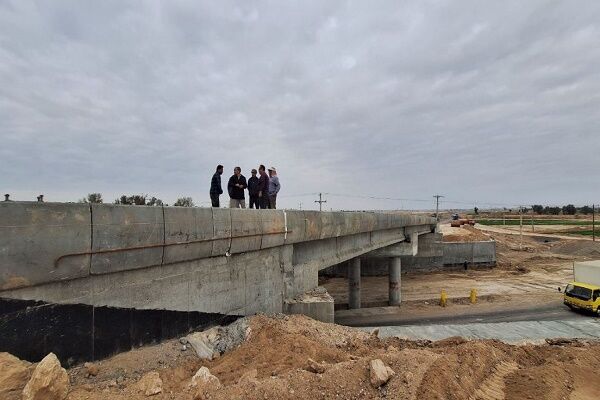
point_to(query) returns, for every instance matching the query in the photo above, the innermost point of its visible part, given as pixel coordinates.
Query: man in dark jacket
(263, 188)
(235, 187)
(253, 190)
(215, 186)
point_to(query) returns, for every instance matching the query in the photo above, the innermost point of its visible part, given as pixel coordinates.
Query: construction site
(311, 200)
(491, 327)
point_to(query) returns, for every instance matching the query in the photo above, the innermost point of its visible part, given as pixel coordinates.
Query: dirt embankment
(279, 349)
(465, 233)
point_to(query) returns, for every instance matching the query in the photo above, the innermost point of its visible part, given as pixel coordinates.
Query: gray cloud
(480, 101)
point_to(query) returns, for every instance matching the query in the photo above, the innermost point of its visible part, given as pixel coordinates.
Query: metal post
(395, 269)
(593, 222)
(521, 228)
(354, 283)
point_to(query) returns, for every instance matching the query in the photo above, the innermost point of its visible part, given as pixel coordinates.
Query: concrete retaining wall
(474, 253)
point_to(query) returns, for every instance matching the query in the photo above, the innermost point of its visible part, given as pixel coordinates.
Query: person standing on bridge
(215, 187)
(253, 190)
(235, 187)
(274, 187)
(263, 188)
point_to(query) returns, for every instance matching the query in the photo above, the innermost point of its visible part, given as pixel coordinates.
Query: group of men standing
(262, 190)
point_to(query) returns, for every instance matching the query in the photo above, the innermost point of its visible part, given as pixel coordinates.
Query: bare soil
(279, 348)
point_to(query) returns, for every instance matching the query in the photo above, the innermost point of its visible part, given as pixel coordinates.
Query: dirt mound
(274, 363)
(464, 234)
(579, 248)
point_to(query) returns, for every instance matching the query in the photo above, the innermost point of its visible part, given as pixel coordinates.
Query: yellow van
(583, 295)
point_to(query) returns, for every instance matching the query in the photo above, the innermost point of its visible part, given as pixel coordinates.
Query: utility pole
(521, 228)
(437, 206)
(320, 201)
(300, 205)
(593, 222)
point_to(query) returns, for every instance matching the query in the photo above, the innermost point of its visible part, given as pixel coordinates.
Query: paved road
(532, 325)
(553, 311)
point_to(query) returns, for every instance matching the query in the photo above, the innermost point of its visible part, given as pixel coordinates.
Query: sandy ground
(530, 274)
(279, 348)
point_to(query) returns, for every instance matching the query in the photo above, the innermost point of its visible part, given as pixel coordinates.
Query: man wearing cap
(274, 187)
(253, 190)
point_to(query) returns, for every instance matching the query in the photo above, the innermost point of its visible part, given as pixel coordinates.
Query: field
(527, 220)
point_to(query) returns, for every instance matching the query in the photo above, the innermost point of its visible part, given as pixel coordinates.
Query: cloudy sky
(481, 101)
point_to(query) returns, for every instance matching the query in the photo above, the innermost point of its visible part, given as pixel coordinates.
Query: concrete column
(354, 283)
(395, 270)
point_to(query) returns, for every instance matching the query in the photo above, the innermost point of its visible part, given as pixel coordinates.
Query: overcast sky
(480, 101)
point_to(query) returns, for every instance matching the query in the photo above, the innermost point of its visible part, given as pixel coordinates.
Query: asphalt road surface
(554, 311)
(523, 325)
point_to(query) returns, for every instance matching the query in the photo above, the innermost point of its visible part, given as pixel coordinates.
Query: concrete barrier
(193, 226)
(273, 225)
(246, 230)
(126, 237)
(222, 231)
(34, 237)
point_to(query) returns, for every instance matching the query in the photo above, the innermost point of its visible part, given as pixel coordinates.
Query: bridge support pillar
(354, 283)
(395, 269)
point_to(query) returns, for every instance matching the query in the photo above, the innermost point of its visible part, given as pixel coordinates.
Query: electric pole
(320, 201)
(593, 222)
(437, 206)
(521, 228)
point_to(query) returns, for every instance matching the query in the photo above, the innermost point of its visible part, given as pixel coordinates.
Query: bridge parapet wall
(50, 242)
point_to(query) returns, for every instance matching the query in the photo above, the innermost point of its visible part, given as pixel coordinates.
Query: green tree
(139, 200)
(552, 210)
(569, 209)
(94, 198)
(586, 210)
(184, 202)
(538, 209)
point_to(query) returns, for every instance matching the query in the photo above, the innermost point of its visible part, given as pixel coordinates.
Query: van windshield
(578, 292)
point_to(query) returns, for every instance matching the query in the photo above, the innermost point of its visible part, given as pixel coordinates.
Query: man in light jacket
(274, 187)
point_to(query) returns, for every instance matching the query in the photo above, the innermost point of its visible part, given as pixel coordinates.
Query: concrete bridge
(212, 260)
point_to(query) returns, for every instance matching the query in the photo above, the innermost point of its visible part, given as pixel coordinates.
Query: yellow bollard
(473, 296)
(443, 298)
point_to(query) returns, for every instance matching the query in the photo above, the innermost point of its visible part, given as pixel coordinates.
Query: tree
(476, 210)
(154, 202)
(93, 198)
(184, 202)
(552, 210)
(586, 210)
(569, 209)
(538, 209)
(138, 200)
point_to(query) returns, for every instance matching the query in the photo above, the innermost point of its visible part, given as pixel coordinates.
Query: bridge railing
(47, 242)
